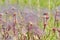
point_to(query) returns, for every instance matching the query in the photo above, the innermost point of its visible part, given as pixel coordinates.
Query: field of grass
(25, 24)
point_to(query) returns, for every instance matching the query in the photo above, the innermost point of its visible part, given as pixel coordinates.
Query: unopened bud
(54, 29)
(14, 14)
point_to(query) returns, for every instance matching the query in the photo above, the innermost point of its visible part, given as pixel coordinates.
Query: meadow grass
(51, 20)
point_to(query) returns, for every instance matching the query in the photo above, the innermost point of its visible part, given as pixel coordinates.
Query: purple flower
(11, 11)
(36, 30)
(33, 29)
(29, 15)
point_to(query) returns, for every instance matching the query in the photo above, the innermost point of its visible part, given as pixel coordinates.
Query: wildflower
(54, 29)
(14, 14)
(30, 25)
(13, 8)
(7, 12)
(11, 11)
(36, 30)
(46, 16)
(14, 17)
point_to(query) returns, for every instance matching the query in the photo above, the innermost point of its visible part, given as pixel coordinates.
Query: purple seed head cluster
(24, 24)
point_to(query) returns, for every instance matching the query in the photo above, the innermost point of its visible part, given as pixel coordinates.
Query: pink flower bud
(6, 12)
(54, 30)
(14, 14)
(46, 15)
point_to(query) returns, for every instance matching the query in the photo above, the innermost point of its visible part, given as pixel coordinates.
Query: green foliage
(2, 2)
(34, 3)
(13, 1)
(44, 4)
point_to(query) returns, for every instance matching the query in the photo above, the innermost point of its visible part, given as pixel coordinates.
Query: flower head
(46, 15)
(54, 29)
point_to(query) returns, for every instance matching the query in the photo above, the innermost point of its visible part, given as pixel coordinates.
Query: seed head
(14, 14)
(54, 29)
(46, 15)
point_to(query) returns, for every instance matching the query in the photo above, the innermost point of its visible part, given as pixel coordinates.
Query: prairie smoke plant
(45, 18)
